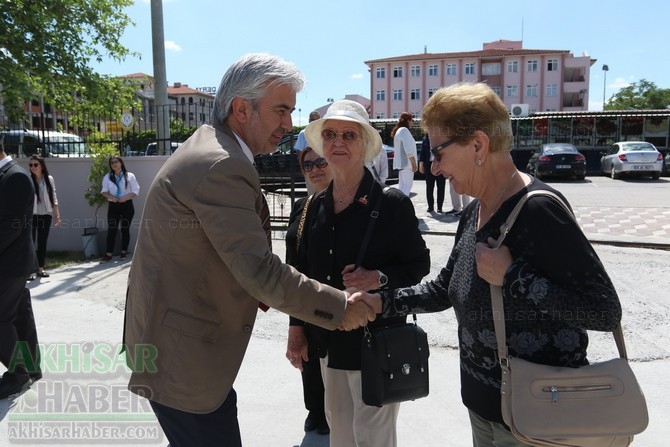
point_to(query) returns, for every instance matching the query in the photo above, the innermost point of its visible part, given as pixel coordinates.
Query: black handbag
(394, 364)
(394, 359)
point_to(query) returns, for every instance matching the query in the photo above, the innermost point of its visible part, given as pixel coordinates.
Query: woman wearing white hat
(332, 237)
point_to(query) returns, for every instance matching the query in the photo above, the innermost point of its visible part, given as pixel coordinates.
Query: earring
(479, 162)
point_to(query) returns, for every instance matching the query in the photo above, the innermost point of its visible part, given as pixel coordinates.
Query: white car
(637, 158)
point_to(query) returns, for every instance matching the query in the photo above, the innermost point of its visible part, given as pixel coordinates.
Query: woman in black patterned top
(554, 286)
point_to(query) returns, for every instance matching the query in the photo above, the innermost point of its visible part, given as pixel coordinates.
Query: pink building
(528, 81)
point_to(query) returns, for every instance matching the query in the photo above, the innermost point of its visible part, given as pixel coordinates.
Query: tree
(643, 95)
(46, 49)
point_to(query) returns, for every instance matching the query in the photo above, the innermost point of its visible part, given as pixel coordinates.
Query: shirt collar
(245, 148)
(5, 160)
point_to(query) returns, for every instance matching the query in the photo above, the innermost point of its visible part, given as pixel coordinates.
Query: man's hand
(296, 349)
(374, 300)
(357, 315)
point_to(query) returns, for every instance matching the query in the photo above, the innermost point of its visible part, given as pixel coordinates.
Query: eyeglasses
(348, 136)
(319, 163)
(437, 149)
(34, 165)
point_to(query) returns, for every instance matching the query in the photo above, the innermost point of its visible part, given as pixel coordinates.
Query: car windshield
(634, 147)
(560, 149)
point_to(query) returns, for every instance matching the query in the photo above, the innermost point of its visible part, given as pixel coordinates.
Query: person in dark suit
(18, 335)
(203, 263)
(425, 160)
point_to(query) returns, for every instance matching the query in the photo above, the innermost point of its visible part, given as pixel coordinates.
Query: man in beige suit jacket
(202, 262)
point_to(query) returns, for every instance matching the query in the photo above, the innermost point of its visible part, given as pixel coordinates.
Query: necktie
(265, 219)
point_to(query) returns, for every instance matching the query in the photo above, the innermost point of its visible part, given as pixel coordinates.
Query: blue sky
(329, 41)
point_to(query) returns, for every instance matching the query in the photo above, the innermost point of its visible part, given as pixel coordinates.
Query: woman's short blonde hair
(457, 111)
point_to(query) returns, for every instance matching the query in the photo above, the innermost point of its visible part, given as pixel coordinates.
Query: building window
(381, 95)
(531, 90)
(470, 68)
(431, 91)
(380, 115)
(552, 65)
(397, 94)
(381, 73)
(496, 90)
(415, 94)
(396, 115)
(532, 65)
(397, 72)
(432, 70)
(451, 69)
(415, 71)
(552, 89)
(513, 67)
(512, 91)
(492, 68)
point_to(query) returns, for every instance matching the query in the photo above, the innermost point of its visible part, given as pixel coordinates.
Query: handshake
(362, 307)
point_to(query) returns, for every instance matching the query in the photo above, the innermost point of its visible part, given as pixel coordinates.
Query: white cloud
(172, 46)
(618, 84)
(357, 76)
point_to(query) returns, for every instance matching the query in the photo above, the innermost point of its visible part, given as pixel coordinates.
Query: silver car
(632, 158)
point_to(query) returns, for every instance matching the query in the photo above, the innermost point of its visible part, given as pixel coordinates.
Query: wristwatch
(383, 279)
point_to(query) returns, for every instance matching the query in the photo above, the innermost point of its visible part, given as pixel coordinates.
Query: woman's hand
(492, 263)
(296, 349)
(360, 279)
(57, 221)
(421, 168)
(374, 300)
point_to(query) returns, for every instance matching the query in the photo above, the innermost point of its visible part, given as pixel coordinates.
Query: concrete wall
(70, 176)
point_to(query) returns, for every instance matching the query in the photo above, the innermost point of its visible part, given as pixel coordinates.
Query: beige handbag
(596, 405)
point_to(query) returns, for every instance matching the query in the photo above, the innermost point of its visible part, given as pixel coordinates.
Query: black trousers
(431, 182)
(219, 428)
(119, 216)
(18, 335)
(312, 385)
(41, 227)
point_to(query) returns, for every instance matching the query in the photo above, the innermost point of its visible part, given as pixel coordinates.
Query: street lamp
(605, 70)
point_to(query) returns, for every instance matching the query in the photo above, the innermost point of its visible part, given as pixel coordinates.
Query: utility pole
(160, 77)
(605, 70)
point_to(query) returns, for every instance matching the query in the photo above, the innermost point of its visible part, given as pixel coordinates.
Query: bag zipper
(554, 390)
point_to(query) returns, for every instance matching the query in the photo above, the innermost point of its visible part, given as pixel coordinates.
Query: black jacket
(330, 242)
(17, 195)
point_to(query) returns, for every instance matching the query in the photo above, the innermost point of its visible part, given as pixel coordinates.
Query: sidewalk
(79, 309)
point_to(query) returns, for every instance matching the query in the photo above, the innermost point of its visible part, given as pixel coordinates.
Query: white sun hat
(345, 110)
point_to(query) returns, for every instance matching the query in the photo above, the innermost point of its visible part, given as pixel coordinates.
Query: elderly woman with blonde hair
(332, 243)
(550, 294)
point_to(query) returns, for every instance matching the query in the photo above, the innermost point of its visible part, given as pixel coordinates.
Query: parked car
(558, 160)
(638, 158)
(46, 143)
(152, 148)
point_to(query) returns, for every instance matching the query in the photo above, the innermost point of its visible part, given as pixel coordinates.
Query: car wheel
(537, 174)
(614, 174)
(581, 177)
(655, 175)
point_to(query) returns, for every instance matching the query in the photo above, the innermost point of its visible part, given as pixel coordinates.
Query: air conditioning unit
(519, 110)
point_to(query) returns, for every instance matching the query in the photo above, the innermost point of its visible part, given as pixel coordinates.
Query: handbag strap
(374, 215)
(496, 291)
(301, 224)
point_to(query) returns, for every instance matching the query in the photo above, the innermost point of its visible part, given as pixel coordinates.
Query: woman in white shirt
(45, 210)
(119, 187)
(405, 153)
